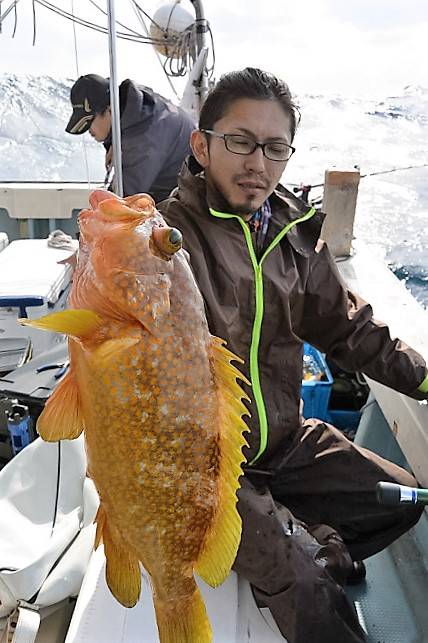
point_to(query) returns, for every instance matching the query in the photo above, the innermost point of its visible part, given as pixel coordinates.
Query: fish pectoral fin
(123, 573)
(62, 419)
(186, 621)
(112, 348)
(74, 323)
(224, 534)
(144, 299)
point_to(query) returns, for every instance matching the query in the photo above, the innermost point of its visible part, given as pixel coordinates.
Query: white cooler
(32, 284)
(4, 240)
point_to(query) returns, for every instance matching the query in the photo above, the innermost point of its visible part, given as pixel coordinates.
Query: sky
(370, 48)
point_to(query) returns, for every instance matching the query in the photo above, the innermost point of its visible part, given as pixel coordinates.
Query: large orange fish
(161, 409)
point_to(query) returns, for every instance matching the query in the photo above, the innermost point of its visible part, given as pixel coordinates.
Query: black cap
(89, 96)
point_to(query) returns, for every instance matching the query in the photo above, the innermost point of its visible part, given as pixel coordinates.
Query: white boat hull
(99, 618)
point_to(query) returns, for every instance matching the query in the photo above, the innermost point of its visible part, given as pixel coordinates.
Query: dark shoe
(358, 573)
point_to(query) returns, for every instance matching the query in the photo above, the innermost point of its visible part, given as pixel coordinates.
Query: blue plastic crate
(316, 393)
(344, 419)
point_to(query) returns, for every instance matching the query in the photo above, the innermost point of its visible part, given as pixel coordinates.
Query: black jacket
(304, 299)
(155, 140)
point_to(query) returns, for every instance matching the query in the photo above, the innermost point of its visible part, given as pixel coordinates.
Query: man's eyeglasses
(239, 144)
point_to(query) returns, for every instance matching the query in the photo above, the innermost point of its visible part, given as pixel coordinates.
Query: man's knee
(312, 605)
(411, 514)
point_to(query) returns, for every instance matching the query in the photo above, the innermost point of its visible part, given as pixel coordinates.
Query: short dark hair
(247, 83)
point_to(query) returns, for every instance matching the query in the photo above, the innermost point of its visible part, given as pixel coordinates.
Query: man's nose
(256, 160)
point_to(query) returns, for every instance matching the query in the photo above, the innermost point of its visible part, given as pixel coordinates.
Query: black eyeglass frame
(256, 144)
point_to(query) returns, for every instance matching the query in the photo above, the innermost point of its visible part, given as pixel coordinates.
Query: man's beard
(244, 208)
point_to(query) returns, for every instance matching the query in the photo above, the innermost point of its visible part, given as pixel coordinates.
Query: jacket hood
(135, 102)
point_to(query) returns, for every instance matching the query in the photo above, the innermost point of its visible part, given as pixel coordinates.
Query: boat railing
(392, 302)
(33, 209)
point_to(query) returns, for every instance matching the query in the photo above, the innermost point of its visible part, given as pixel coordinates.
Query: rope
(96, 27)
(16, 18)
(104, 12)
(4, 15)
(34, 22)
(59, 239)
(182, 48)
(141, 10)
(138, 13)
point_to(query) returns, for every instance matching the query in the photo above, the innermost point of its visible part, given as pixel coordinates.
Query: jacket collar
(195, 193)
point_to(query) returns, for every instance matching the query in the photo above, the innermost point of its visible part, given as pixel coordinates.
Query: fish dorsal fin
(74, 323)
(223, 537)
(62, 419)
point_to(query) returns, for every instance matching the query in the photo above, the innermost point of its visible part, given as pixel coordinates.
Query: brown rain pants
(295, 524)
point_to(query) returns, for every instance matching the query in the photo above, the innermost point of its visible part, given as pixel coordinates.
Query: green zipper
(258, 319)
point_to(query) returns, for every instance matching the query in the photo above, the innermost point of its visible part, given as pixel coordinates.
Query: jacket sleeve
(341, 324)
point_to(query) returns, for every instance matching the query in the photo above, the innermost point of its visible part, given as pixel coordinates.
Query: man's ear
(199, 145)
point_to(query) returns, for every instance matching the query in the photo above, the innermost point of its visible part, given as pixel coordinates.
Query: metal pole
(114, 101)
(201, 30)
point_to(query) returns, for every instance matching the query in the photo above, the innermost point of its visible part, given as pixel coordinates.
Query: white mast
(201, 30)
(114, 101)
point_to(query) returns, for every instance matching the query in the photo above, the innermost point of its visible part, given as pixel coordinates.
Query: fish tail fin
(223, 537)
(184, 622)
(123, 573)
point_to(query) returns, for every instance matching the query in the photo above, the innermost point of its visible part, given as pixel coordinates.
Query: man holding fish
(307, 498)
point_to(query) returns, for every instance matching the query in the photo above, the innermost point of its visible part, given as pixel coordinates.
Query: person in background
(155, 133)
(308, 496)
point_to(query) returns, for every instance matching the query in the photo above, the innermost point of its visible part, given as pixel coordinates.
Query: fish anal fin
(223, 537)
(99, 520)
(187, 621)
(62, 419)
(74, 323)
(123, 573)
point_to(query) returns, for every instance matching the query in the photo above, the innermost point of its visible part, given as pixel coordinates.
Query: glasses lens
(239, 144)
(278, 151)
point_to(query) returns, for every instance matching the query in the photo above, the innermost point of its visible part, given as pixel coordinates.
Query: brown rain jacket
(303, 298)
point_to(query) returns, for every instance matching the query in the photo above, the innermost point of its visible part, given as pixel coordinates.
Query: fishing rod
(392, 494)
(304, 190)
